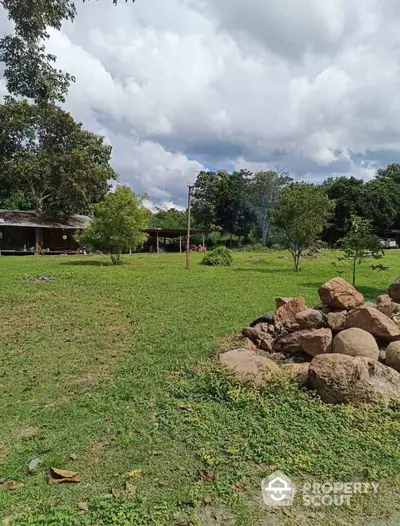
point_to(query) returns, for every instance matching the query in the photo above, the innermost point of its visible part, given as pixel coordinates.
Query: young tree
(360, 243)
(48, 160)
(117, 225)
(303, 212)
(265, 189)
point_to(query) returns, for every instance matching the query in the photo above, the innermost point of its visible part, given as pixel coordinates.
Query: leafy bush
(219, 257)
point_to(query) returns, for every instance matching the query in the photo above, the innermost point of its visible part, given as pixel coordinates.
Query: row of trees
(243, 203)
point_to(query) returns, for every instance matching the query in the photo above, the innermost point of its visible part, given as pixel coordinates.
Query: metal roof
(30, 219)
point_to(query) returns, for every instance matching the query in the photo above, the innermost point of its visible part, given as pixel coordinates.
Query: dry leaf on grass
(59, 476)
(130, 490)
(162, 484)
(207, 498)
(11, 484)
(83, 506)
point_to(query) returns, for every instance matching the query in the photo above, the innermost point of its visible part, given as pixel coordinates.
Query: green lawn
(111, 372)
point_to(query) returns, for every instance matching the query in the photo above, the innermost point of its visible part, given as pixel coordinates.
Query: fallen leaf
(58, 476)
(107, 418)
(34, 464)
(287, 512)
(207, 498)
(130, 490)
(83, 506)
(162, 484)
(73, 456)
(11, 484)
(239, 484)
(156, 453)
(2, 481)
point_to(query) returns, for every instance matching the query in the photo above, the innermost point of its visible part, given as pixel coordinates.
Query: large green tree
(171, 218)
(265, 189)
(29, 69)
(304, 211)
(48, 160)
(221, 201)
(117, 225)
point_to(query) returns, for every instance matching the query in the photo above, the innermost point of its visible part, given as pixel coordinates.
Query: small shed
(26, 232)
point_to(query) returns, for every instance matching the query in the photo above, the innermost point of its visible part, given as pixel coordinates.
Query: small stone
(34, 464)
(83, 506)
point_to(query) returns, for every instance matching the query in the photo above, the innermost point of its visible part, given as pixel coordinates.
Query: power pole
(190, 188)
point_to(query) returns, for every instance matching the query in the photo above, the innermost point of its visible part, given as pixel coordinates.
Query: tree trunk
(354, 270)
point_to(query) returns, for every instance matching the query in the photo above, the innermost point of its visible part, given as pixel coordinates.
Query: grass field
(111, 372)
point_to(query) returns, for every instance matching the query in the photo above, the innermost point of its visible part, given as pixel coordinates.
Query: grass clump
(219, 257)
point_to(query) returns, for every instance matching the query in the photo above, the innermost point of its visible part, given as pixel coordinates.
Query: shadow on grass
(87, 263)
(272, 270)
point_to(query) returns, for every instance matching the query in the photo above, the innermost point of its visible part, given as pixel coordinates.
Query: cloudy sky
(181, 85)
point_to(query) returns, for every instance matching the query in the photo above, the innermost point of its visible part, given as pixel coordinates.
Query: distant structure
(26, 233)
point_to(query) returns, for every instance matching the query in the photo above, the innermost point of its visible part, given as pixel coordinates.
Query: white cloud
(181, 85)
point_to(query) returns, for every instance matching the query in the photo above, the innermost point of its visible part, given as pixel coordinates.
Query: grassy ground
(111, 372)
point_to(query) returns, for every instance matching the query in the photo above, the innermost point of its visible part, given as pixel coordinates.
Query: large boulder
(317, 342)
(297, 371)
(337, 293)
(260, 336)
(248, 365)
(356, 342)
(279, 302)
(290, 342)
(373, 321)
(286, 314)
(336, 320)
(339, 378)
(310, 319)
(392, 358)
(394, 290)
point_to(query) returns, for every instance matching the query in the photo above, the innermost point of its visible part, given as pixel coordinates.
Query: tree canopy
(117, 225)
(48, 162)
(304, 211)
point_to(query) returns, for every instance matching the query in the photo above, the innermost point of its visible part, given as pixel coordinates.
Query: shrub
(219, 257)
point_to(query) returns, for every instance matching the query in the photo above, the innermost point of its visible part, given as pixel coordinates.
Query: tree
(303, 212)
(360, 243)
(265, 189)
(171, 218)
(48, 160)
(117, 225)
(347, 194)
(221, 202)
(29, 70)
(380, 202)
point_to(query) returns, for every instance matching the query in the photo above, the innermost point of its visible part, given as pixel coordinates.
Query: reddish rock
(248, 366)
(356, 342)
(260, 336)
(309, 319)
(385, 304)
(394, 290)
(336, 320)
(337, 293)
(374, 322)
(339, 378)
(317, 342)
(290, 342)
(286, 314)
(279, 302)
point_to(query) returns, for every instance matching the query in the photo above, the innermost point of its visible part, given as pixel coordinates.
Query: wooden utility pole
(190, 188)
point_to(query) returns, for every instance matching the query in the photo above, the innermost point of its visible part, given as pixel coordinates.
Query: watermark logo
(277, 490)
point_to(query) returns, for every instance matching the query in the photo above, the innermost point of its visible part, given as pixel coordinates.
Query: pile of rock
(345, 349)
